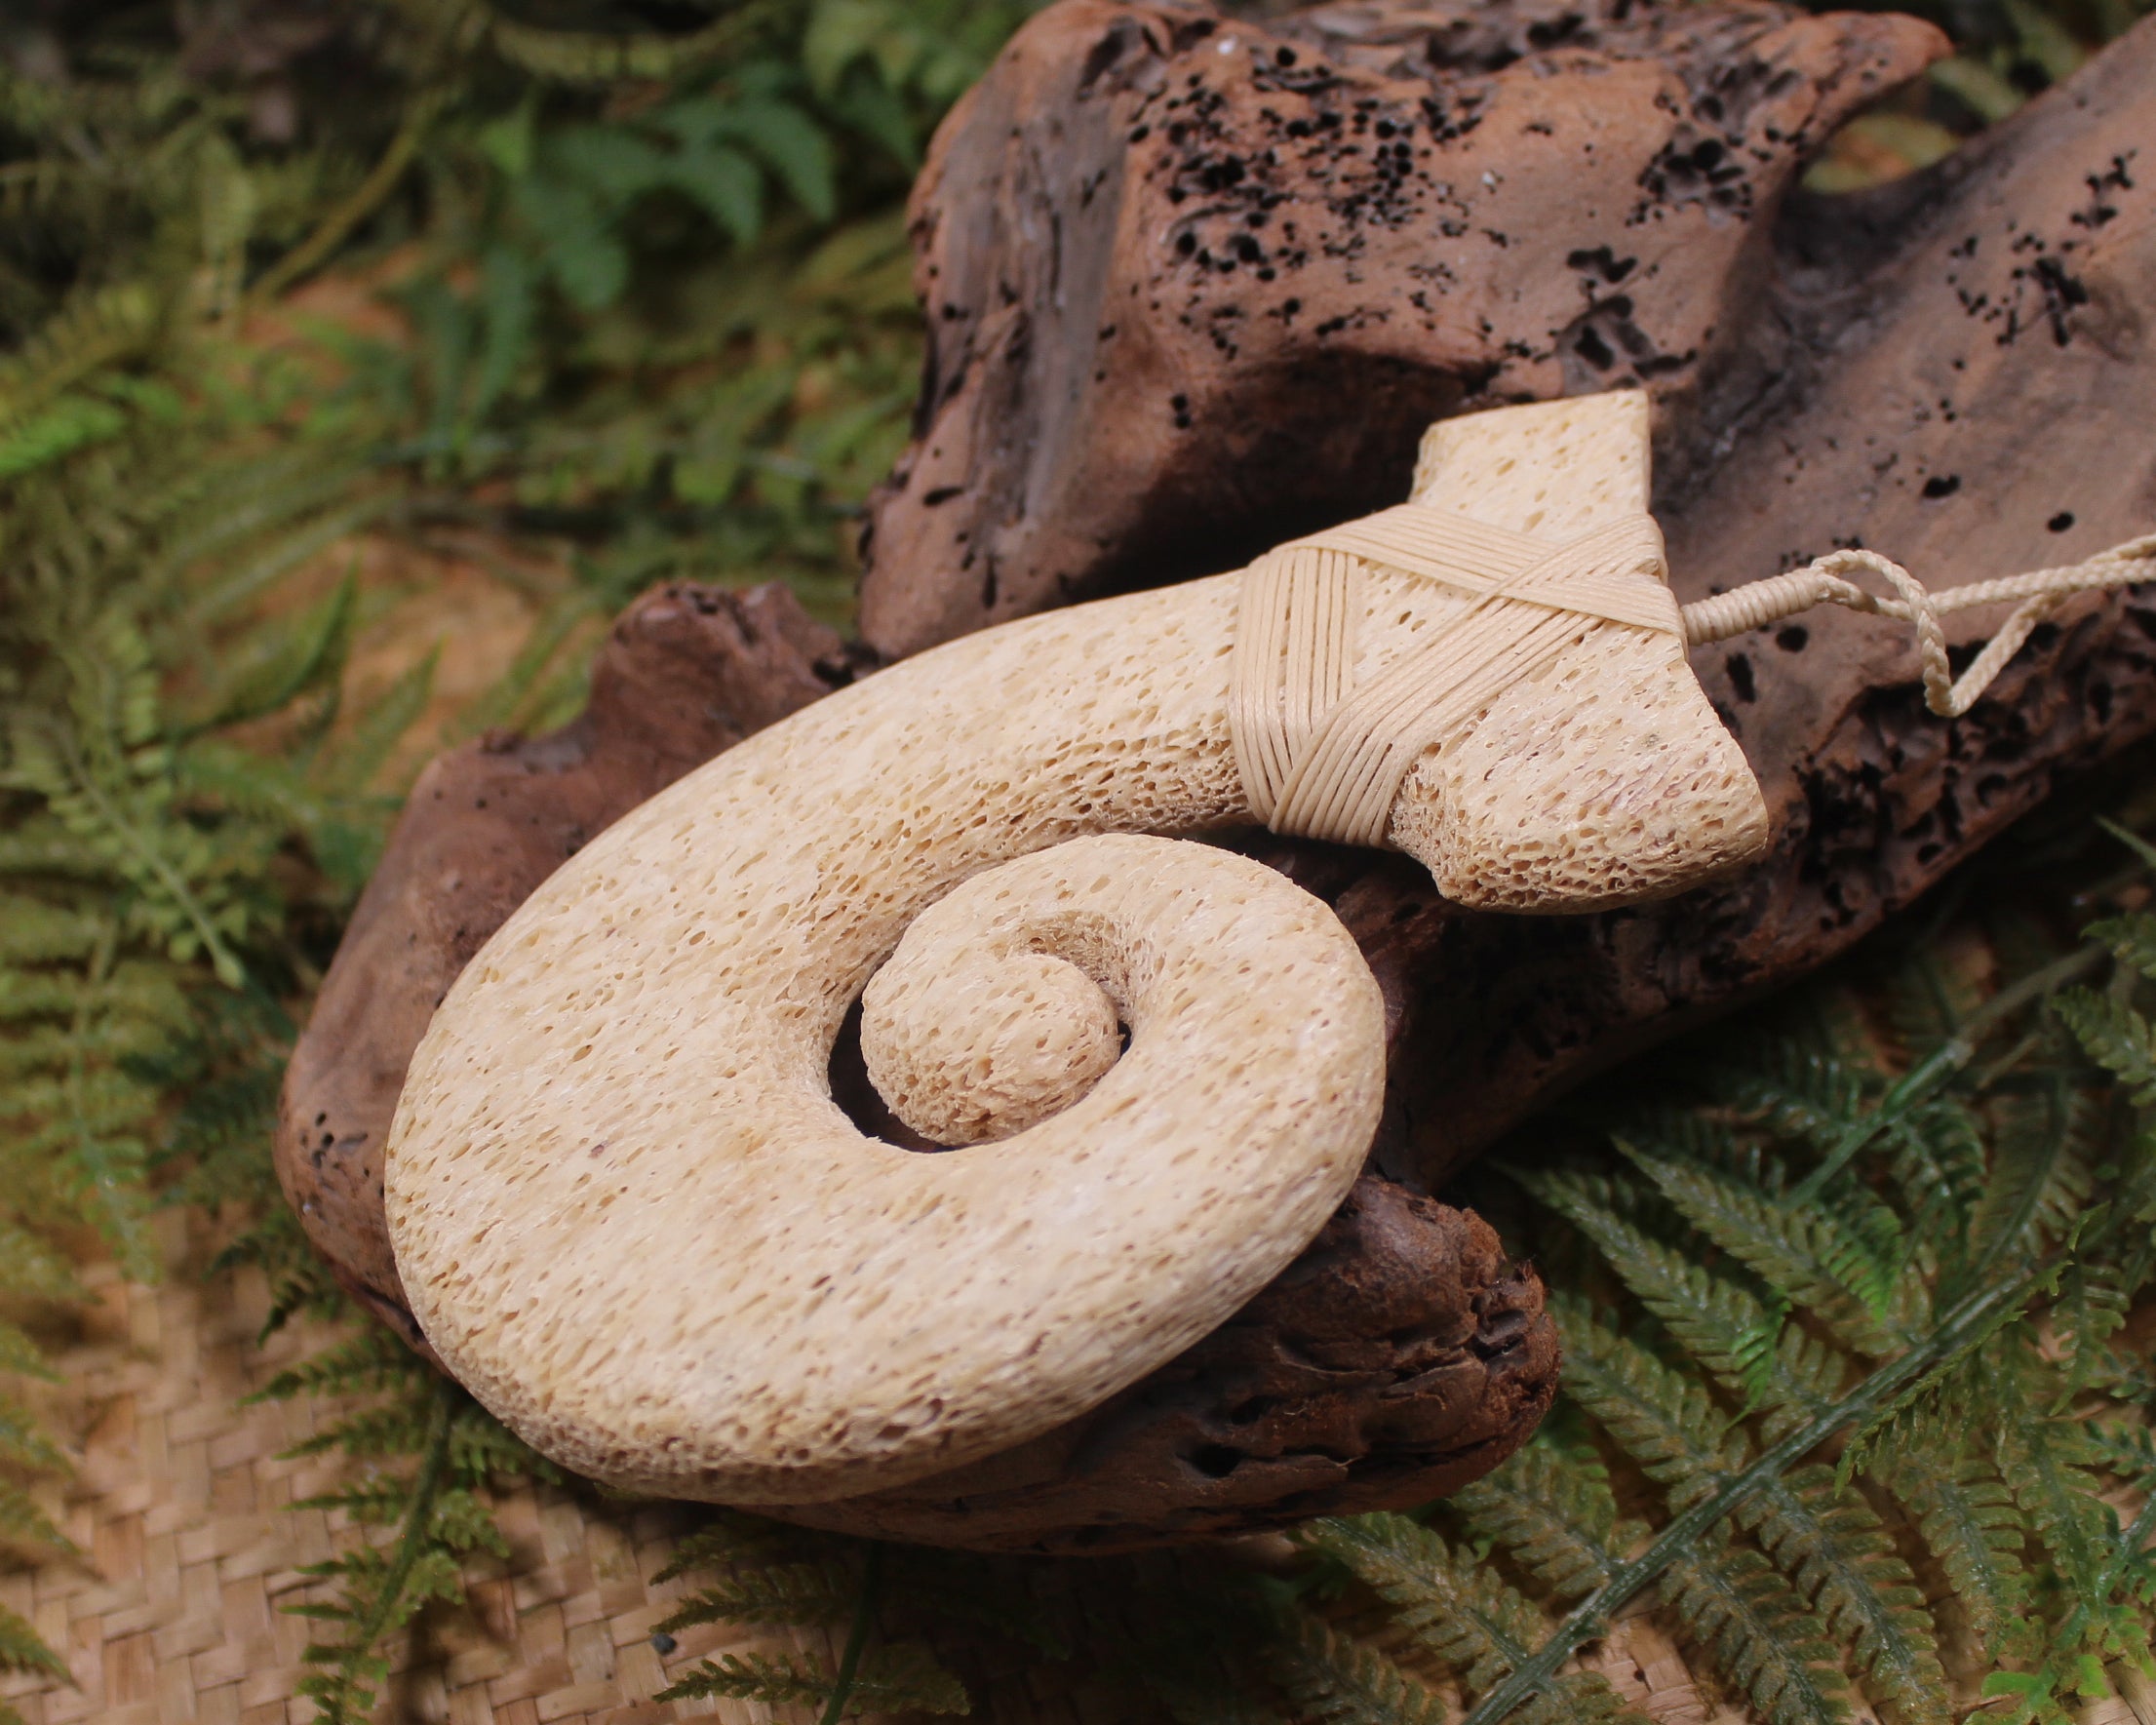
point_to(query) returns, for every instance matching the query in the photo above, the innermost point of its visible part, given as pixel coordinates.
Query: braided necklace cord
(1822, 581)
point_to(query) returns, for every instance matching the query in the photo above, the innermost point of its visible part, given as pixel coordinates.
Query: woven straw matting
(180, 1506)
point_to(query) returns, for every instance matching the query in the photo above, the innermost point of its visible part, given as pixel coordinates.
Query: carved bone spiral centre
(992, 1015)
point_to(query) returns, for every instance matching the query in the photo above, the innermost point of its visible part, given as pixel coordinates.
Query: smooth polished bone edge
(628, 1214)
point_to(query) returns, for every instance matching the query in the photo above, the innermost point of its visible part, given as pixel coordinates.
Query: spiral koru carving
(631, 1217)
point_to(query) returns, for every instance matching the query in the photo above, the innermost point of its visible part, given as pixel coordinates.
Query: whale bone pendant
(631, 1218)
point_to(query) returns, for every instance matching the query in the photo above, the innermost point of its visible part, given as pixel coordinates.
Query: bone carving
(631, 1218)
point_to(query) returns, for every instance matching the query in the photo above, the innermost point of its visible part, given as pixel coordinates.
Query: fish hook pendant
(628, 1212)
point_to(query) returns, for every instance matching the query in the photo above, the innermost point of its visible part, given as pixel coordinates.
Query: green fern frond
(1971, 1524)
(22, 1651)
(94, 330)
(903, 1678)
(1823, 1536)
(395, 1430)
(1552, 1507)
(1451, 1605)
(1747, 1620)
(500, 704)
(1794, 1088)
(31, 1270)
(108, 777)
(2132, 939)
(25, 1528)
(350, 768)
(21, 1356)
(482, 1447)
(37, 931)
(372, 1501)
(2129, 1451)
(2116, 1037)
(731, 1536)
(281, 662)
(463, 1523)
(2045, 1461)
(1934, 1156)
(1928, 1001)
(781, 1679)
(1665, 1421)
(574, 56)
(67, 425)
(1580, 1697)
(24, 1448)
(2046, 1147)
(299, 1279)
(1333, 1677)
(370, 1359)
(1841, 1261)
(2090, 1306)
(773, 1593)
(1830, 1541)
(436, 1511)
(1736, 1335)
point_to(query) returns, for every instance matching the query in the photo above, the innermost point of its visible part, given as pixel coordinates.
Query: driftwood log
(1193, 286)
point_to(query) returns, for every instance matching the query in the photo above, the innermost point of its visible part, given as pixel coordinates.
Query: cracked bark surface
(1400, 1358)
(1953, 369)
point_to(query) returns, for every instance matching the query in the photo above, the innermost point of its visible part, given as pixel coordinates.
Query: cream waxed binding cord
(1820, 582)
(1323, 758)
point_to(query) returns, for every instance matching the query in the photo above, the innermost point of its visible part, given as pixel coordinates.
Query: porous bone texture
(857, 1312)
(1603, 778)
(686, 671)
(626, 1210)
(1397, 1358)
(1346, 1383)
(972, 1032)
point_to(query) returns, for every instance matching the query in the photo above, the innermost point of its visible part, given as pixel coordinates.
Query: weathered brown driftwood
(1397, 1359)
(1195, 285)
(1950, 370)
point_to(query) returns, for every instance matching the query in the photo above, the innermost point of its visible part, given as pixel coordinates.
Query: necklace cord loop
(1824, 581)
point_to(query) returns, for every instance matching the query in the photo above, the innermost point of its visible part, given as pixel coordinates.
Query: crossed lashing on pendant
(1322, 756)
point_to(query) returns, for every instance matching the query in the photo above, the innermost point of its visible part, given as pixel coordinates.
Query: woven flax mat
(181, 1508)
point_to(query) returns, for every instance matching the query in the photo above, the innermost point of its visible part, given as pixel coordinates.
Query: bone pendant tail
(1606, 776)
